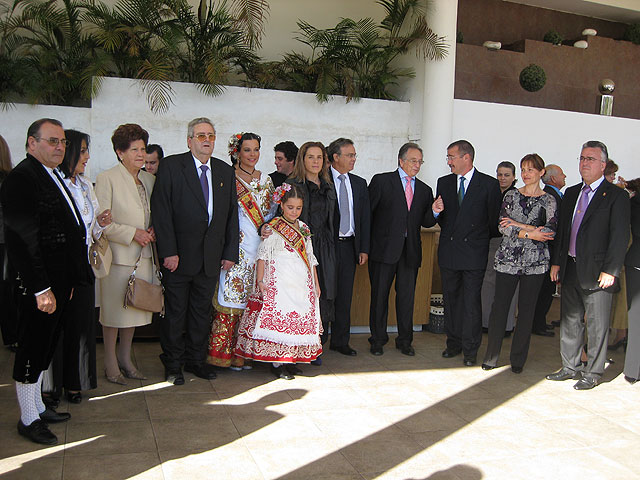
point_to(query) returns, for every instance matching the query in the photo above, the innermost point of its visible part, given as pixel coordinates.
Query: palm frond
(251, 16)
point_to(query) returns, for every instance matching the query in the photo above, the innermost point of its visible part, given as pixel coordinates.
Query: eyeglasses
(415, 162)
(351, 156)
(588, 159)
(451, 157)
(53, 141)
(205, 136)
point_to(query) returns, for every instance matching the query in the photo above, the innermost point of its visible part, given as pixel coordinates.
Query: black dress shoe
(292, 369)
(376, 350)
(515, 369)
(203, 370)
(50, 402)
(563, 374)
(174, 375)
(555, 323)
(74, 397)
(345, 350)
(51, 416)
(281, 372)
(508, 333)
(450, 353)
(544, 333)
(487, 367)
(406, 350)
(615, 346)
(37, 432)
(469, 361)
(586, 383)
(631, 380)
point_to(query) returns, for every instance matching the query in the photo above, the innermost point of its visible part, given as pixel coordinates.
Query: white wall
(377, 127)
(498, 132)
(508, 132)
(15, 121)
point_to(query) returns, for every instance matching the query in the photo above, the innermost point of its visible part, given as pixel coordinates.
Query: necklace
(248, 173)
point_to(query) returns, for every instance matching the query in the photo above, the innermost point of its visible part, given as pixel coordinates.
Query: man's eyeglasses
(351, 156)
(588, 159)
(202, 137)
(416, 162)
(451, 157)
(54, 142)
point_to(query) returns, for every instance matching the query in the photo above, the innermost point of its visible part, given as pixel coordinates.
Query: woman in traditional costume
(255, 207)
(282, 322)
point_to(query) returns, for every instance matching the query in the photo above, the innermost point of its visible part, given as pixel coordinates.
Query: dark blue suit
(462, 256)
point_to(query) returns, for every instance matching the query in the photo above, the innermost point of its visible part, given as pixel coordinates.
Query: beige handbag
(100, 256)
(143, 295)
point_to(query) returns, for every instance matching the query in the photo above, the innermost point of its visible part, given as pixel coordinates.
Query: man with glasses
(589, 251)
(352, 227)
(400, 205)
(45, 241)
(467, 208)
(195, 216)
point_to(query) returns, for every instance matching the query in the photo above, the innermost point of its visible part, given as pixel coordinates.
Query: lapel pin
(221, 183)
(604, 194)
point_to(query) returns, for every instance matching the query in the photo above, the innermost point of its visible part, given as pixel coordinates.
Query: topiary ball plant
(632, 33)
(532, 78)
(552, 36)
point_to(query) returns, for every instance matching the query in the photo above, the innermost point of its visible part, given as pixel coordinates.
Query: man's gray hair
(597, 144)
(402, 154)
(198, 121)
(550, 171)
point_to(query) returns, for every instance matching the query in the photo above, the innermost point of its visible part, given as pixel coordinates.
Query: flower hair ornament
(279, 193)
(234, 143)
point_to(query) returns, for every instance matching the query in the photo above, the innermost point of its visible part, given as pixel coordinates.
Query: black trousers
(340, 330)
(38, 333)
(74, 361)
(381, 276)
(185, 328)
(8, 308)
(462, 294)
(505, 287)
(543, 304)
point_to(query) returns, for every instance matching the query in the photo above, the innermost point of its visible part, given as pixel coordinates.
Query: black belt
(346, 239)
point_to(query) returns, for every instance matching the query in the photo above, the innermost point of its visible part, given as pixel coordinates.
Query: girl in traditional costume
(255, 207)
(282, 322)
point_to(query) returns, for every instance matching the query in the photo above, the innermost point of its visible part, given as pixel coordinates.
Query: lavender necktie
(345, 217)
(204, 184)
(583, 203)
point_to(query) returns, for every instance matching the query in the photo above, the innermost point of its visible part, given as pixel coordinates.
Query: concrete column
(437, 105)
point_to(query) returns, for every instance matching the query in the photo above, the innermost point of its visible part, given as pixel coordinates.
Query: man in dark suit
(468, 206)
(554, 180)
(45, 241)
(194, 212)
(589, 251)
(400, 205)
(352, 227)
(285, 158)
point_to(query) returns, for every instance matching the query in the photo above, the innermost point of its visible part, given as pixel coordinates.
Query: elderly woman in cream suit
(126, 190)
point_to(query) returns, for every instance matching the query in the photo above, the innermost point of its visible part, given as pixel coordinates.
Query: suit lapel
(598, 198)
(217, 185)
(356, 197)
(191, 177)
(396, 184)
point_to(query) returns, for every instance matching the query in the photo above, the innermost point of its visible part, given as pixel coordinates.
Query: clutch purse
(100, 257)
(143, 295)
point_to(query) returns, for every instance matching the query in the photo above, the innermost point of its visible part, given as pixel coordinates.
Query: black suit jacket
(361, 215)
(466, 229)
(179, 215)
(603, 236)
(633, 255)
(391, 219)
(44, 242)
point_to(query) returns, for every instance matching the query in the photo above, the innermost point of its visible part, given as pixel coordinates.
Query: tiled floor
(389, 417)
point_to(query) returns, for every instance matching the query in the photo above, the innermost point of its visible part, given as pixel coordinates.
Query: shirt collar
(594, 186)
(404, 174)
(336, 174)
(199, 163)
(467, 175)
